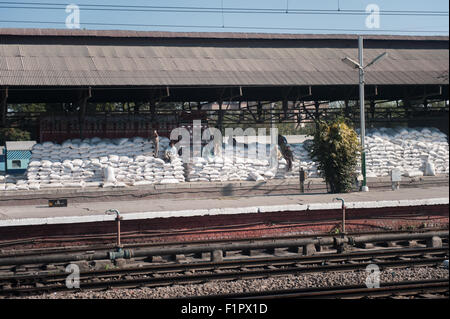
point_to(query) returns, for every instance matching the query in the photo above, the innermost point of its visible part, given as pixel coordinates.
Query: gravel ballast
(255, 285)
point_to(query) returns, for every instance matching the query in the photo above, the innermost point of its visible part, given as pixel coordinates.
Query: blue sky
(237, 22)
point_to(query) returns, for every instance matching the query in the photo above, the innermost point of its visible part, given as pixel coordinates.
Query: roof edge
(205, 35)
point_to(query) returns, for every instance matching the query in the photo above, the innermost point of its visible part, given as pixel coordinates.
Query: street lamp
(360, 65)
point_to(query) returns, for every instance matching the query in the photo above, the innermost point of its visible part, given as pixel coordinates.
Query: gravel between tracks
(239, 286)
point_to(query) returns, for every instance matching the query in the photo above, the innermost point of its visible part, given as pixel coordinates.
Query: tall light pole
(362, 104)
(360, 66)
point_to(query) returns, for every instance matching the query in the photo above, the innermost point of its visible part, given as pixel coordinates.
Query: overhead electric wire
(228, 27)
(184, 9)
(228, 11)
(200, 8)
(220, 10)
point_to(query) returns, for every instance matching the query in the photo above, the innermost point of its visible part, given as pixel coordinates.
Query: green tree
(13, 134)
(336, 149)
(28, 108)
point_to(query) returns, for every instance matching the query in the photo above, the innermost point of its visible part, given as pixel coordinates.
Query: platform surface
(18, 215)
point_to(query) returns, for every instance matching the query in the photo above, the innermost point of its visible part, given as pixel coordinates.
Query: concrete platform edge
(220, 211)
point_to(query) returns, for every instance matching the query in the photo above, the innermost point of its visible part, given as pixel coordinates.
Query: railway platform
(250, 215)
(202, 190)
(19, 215)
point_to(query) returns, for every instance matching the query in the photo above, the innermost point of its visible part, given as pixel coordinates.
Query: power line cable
(223, 16)
(207, 8)
(223, 10)
(227, 27)
(228, 11)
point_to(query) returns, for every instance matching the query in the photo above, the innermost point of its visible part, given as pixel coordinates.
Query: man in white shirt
(171, 152)
(155, 140)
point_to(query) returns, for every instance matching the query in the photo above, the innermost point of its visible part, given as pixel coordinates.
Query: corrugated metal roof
(117, 62)
(20, 145)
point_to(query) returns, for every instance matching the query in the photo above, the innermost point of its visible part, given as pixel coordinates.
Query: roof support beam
(83, 97)
(220, 118)
(372, 108)
(317, 114)
(285, 108)
(3, 106)
(347, 109)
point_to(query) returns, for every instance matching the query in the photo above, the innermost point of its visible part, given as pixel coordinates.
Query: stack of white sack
(100, 162)
(303, 160)
(247, 164)
(222, 169)
(415, 152)
(121, 162)
(411, 151)
(12, 182)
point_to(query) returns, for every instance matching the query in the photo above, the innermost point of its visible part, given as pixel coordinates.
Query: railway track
(217, 251)
(6, 253)
(170, 274)
(439, 288)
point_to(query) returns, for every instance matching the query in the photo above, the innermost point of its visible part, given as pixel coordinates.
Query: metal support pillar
(137, 107)
(343, 207)
(118, 219)
(3, 106)
(347, 109)
(317, 114)
(220, 117)
(372, 109)
(153, 114)
(362, 114)
(285, 108)
(84, 96)
(260, 112)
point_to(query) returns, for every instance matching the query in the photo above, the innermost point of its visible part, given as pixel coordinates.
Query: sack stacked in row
(222, 169)
(13, 182)
(96, 162)
(415, 152)
(92, 148)
(302, 159)
(120, 162)
(246, 164)
(408, 150)
(141, 170)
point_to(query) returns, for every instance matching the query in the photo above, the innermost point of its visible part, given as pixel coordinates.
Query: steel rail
(353, 291)
(253, 262)
(40, 251)
(91, 280)
(250, 245)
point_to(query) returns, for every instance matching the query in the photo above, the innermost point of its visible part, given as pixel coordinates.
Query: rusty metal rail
(158, 275)
(164, 250)
(440, 286)
(71, 249)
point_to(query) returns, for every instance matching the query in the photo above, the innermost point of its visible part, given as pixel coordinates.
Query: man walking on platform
(286, 151)
(155, 140)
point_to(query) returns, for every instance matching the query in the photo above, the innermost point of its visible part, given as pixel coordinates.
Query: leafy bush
(13, 134)
(336, 149)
